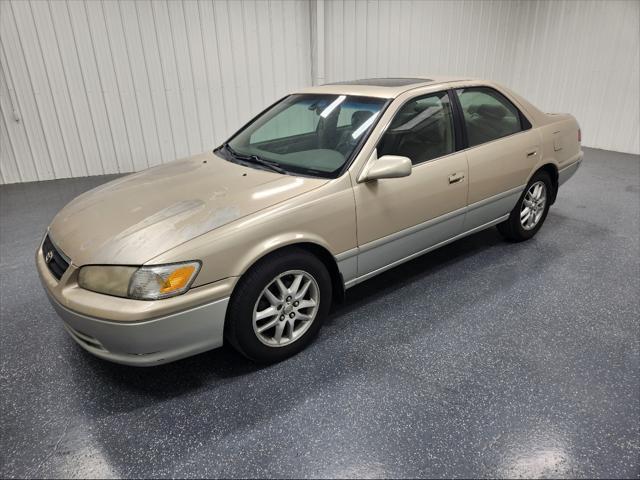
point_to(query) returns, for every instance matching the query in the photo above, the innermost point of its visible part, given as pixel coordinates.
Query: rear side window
(421, 130)
(488, 115)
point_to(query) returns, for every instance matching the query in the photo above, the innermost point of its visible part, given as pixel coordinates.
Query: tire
(250, 299)
(515, 230)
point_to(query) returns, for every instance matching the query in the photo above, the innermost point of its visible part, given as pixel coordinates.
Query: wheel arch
(552, 170)
(314, 248)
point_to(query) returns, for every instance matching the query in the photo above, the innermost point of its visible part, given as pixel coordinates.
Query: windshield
(309, 134)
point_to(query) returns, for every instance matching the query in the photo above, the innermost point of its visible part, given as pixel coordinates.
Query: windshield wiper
(265, 163)
(254, 159)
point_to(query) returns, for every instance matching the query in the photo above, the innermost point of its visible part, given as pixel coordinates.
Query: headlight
(112, 280)
(143, 283)
(151, 283)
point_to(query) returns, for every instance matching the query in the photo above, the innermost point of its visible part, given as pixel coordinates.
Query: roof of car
(378, 87)
(385, 82)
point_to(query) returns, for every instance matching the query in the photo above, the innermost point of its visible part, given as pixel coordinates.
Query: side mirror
(389, 166)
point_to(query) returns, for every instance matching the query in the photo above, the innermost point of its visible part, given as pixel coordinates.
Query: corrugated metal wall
(584, 58)
(113, 86)
(581, 57)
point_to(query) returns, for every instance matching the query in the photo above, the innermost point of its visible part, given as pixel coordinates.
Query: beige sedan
(251, 243)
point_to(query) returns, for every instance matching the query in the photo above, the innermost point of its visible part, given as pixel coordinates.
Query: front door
(401, 217)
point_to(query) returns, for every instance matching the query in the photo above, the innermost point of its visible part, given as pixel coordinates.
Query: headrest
(493, 111)
(359, 117)
(424, 104)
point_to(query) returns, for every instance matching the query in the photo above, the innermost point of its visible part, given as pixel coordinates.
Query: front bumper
(137, 332)
(150, 342)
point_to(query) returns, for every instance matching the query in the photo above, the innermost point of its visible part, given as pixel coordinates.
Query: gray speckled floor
(481, 359)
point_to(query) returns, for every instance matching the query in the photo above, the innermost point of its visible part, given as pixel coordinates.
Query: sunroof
(384, 82)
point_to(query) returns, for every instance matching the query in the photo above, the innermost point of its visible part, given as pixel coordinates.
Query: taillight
(579, 136)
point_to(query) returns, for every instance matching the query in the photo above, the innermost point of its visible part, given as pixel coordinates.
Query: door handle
(456, 177)
(532, 153)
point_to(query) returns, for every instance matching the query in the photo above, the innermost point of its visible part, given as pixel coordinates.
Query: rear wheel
(530, 212)
(278, 306)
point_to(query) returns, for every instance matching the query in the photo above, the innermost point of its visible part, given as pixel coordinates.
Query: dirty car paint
(140, 216)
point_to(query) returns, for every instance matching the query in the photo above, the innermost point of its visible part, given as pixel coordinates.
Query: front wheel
(278, 306)
(530, 212)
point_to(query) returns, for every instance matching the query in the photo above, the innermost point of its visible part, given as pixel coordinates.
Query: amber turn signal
(178, 279)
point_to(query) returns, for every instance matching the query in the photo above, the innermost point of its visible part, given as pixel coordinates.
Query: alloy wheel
(533, 205)
(286, 308)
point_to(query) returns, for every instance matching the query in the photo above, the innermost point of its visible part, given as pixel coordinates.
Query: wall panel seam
(37, 108)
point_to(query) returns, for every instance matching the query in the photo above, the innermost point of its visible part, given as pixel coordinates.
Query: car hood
(135, 218)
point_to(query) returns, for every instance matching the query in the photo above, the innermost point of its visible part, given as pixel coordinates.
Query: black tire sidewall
(516, 225)
(240, 318)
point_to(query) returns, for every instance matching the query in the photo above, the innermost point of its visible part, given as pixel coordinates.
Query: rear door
(503, 150)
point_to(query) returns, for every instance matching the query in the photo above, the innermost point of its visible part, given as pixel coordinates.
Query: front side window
(421, 130)
(309, 134)
(488, 115)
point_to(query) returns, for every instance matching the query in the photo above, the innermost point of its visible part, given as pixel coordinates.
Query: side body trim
(348, 264)
(487, 209)
(373, 273)
(388, 250)
(363, 262)
(410, 231)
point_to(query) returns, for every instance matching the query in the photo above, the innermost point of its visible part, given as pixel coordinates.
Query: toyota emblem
(49, 256)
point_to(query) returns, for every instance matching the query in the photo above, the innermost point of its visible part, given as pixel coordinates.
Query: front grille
(54, 258)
